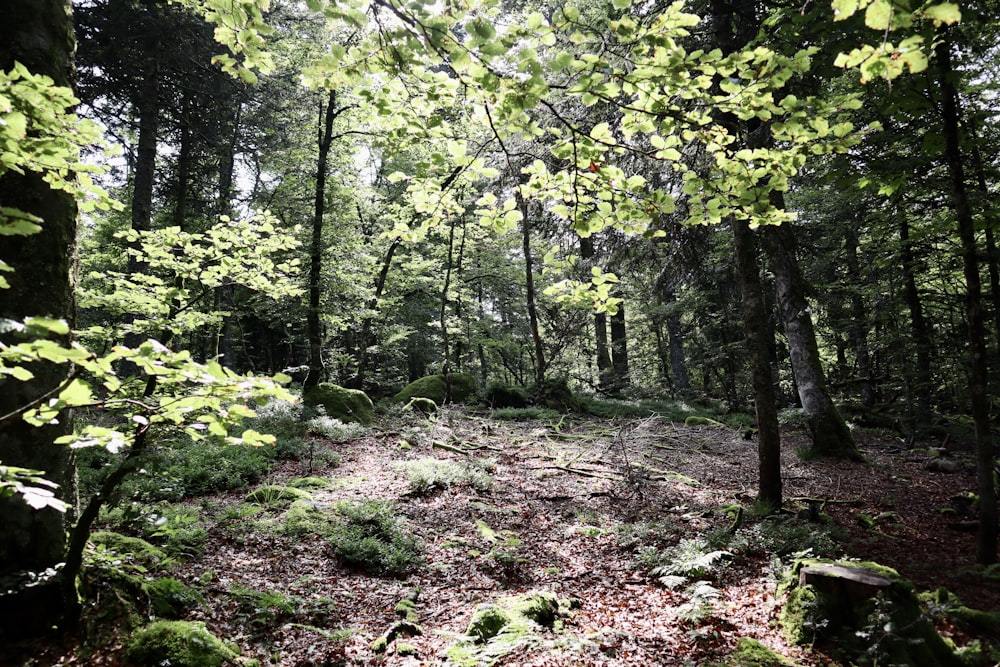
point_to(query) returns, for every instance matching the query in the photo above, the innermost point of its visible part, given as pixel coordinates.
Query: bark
(755, 325)
(39, 34)
(529, 289)
(675, 337)
(918, 325)
(604, 367)
(986, 543)
(619, 347)
(314, 332)
(830, 434)
(859, 321)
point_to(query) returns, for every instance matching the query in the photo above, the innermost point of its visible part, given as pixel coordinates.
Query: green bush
(462, 385)
(369, 537)
(498, 395)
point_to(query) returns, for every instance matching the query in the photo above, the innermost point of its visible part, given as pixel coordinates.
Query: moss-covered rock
(273, 494)
(347, 405)
(422, 405)
(885, 625)
(179, 644)
(139, 549)
(309, 483)
(455, 388)
(505, 396)
(555, 394)
(751, 653)
(499, 628)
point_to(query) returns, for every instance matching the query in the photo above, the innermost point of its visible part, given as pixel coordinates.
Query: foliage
(371, 538)
(499, 395)
(135, 549)
(179, 643)
(751, 653)
(429, 475)
(272, 494)
(782, 537)
(169, 598)
(691, 558)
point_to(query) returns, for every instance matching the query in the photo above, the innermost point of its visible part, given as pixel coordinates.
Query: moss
(303, 517)
(461, 386)
(890, 626)
(179, 644)
(695, 420)
(751, 653)
(405, 649)
(505, 396)
(555, 394)
(142, 551)
(272, 494)
(347, 405)
(487, 622)
(309, 483)
(408, 610)
(422, 405)
(169, 597)
(540, 607)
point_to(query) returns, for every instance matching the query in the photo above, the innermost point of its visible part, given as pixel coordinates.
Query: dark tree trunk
(38, 34)
(755, 324)
(314, 331)
(918, 325)
(735, 25)
(986, 544)
(602, 353)
(366, 323)
(529, 289)
(859, 321)
(675, 338)
(830, 434)
(619, 347)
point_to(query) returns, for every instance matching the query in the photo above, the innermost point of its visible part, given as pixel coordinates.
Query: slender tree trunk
(604, 367)
(754, 322)
(529, 288)
(313, 328)
(366, 323)
(859, 321)
(734, 27)
(830, 434)
(443, 313)
(986, 544)
(918, 325)
(675, 337)
(619, 347)
(38, 34)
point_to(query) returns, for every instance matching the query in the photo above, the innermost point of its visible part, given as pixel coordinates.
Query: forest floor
(581, 508)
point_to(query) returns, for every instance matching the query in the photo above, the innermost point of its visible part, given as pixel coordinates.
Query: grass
(369, 537)
(428, 475)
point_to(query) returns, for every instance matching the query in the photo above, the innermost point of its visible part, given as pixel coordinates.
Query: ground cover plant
(640, 535)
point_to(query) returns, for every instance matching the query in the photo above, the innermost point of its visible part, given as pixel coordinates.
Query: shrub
(272, 494)
(369, 537)
(332, 428)
(554, 393)
(499, 395)
(168, 597)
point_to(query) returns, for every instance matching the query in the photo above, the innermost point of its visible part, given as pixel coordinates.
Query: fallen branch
(451, 448)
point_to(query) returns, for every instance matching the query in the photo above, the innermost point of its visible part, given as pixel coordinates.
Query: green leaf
(944, 14)
(77, 393)
(843, 9)
(878, 15)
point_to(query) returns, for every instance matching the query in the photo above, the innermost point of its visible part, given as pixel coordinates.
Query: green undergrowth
(179, 644)
(428, 475)
(526, 414)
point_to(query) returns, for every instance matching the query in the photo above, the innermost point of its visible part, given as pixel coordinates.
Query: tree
(36, 40)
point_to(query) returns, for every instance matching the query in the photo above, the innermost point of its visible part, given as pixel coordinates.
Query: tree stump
(856, 584)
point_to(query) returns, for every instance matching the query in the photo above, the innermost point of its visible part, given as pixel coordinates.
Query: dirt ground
(571, 507)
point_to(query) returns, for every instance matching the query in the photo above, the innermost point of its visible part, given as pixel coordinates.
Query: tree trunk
(619, 348)
(604, 368)
(314, 331)
(830, 434)
(755, 325)
(38, 34)
(918, 325)
(366, 323)
(986, 543)
(859, 321)
(529, 288)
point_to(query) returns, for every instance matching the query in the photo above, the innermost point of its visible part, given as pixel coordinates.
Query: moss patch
(179, 644)
(751, 653)
(422, 405)
(304, 518)
(347, 405)
(142, 551)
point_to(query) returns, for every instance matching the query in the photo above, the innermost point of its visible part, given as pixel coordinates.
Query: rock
(422, 405)
(456, 388)
(179, 644)
(499, 395)
(347, 405)
(944, 465)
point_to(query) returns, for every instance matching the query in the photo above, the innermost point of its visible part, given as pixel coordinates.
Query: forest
(512, 332)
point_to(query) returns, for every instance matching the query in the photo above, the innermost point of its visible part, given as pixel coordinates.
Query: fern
(690, 559)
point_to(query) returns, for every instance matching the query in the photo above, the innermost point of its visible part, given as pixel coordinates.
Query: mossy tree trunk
(830, 435)
(38, 34)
